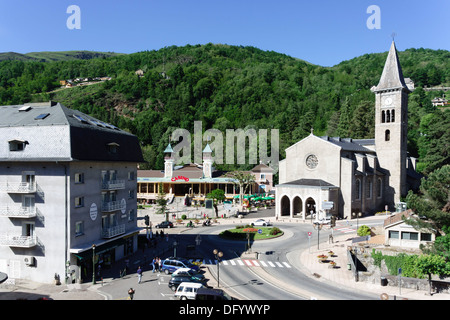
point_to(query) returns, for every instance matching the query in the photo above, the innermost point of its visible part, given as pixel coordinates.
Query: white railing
(18, 241)
(112, 206)
(20, 187)
(113, 231)
(113, 185)
(18, 212)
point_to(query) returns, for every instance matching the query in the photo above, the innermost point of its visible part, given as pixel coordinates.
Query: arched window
(369, 189)
(387, 135)
(383, 117)
(388, 116)
(379, 188)
(393, 116)
(358, 189)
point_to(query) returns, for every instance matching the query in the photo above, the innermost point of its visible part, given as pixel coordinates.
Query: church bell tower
(391, 127)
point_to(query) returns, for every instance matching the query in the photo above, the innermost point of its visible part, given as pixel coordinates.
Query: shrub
(363, 231)
(183, 217)
(274, 231)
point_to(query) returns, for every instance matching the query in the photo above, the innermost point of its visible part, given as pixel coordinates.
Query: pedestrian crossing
(244, 263)
(344, 228)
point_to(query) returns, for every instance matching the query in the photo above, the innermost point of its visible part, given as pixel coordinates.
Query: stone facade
(359, 176)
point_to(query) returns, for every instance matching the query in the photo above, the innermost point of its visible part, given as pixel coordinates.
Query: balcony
(113, 206)
(113, 185)
(19, 187)
(18, 241)
(18, 212)
(113, 231)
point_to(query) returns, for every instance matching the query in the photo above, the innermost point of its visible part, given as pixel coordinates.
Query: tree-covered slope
(227, 87)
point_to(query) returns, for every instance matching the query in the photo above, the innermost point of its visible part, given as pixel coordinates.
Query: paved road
(245, 278)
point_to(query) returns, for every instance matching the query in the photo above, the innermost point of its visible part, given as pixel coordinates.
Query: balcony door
(28, 203)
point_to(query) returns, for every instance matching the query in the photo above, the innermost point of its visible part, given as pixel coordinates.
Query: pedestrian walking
(154, 264)
(159, 264)
(139, 273)
(131, 293)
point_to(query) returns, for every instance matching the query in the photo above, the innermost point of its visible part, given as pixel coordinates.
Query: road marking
(271, 264)
(255, 262)
(248, 263)
(279, 264)
(233, 262)
(240, 262)
(287, 265)
(263, 263)
(224, 262)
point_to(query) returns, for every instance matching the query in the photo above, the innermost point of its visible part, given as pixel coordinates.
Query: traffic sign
(309, 234)
(259, 231)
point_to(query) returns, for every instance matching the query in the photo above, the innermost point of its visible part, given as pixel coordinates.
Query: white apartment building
(67, 193)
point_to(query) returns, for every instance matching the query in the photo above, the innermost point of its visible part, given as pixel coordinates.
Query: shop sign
(180, 178)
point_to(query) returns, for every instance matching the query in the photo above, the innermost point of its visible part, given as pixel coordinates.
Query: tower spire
(392, 76)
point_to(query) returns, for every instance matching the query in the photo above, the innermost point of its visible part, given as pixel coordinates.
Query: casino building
(197, 180)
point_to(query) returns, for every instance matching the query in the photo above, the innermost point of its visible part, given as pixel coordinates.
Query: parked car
(212, 294)
(177, 280)
(188, 272)
(165, 224)
(261, 222)
(171, 264)
(187, 290)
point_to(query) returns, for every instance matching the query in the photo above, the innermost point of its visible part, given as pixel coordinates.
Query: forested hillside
(230, 87)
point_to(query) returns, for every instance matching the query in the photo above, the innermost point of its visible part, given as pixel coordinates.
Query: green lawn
(240, 233)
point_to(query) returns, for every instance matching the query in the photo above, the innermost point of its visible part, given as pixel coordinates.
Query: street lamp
(93, 264)
(318, 226)
(218, 254)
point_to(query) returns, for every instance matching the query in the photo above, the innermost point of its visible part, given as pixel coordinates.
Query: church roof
(392, 76)
(347, 144)
(309, 183)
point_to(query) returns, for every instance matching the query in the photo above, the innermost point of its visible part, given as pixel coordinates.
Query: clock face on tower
(388, 101)
(311, 161)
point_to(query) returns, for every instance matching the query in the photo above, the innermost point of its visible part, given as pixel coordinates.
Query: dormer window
(17, 145)
(113, 147)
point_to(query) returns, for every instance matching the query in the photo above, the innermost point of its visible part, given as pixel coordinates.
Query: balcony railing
(113, 231)
(19, 187)
(113, 185)
(113, 206)
(18, 212)
(18, 241)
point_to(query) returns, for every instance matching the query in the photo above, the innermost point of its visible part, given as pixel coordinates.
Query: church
(344, 177)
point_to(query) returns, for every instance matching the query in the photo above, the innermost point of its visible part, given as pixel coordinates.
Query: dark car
(165, 224)
(176, 280)
(212, 294)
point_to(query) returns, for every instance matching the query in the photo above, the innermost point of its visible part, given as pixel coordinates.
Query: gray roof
(392, 76)
(308, 183)
(54, 132)
(348, 144)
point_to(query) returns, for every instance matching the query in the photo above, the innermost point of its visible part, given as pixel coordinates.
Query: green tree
(217, 195)
(161, 202)
(432, 264)
(432, 202)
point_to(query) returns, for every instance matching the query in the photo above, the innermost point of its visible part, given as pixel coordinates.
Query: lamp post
(318, 226)
(93, 264)
(218, 254)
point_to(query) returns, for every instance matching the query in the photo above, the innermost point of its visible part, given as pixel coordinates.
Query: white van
(187, 290)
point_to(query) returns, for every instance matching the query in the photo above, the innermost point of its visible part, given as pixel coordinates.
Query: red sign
(180, 178)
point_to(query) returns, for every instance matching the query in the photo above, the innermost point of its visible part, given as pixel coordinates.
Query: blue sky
(323, 32)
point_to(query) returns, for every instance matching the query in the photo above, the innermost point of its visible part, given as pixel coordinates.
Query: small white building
(399, 234)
